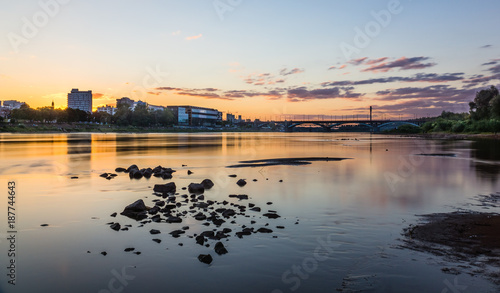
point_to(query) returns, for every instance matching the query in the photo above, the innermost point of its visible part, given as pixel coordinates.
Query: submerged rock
(241, 182)
(115, 226)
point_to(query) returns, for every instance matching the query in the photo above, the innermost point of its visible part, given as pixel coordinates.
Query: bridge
(331, 125)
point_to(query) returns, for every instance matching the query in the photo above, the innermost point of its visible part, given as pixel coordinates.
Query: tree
(495, 107)
(480, 108)
(123, 115)
(141, 116)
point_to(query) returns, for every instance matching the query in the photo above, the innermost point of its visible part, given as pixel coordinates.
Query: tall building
(195, 116)
(80, 100)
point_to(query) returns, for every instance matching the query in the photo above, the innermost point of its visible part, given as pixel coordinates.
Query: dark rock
(112, 175)
(280, 227)
(165, 189)
(154, 210)
(157, 240)
(281, 181)
(137, 252)
(104, 253)
(220, 249)
(177, 233)
(154, 231)
(205, 258)
(44, 225)
(228, 213)
(233, 176)
(132, 167)
(166, 175)
(269, 203)
(115, 226)
(120, 169)
(173, 219)
(181, 244)
(196, 188)
(147, 173)
(241, 182)
(136, 210)
(251, 205)
(200, 240)
(185, 228)
(74, 177)
(255, 209)
(207, 183)
(129, 249)
(271, 215)
(264, 230)
(156, 219)
(189, 172)
(200, 217)
(135, 174)
(255, 180)
(104, 175)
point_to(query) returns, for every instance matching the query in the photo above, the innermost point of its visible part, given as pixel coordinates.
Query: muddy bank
(468, 240)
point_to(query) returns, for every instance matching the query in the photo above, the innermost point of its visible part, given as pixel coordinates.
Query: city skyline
(254, 59)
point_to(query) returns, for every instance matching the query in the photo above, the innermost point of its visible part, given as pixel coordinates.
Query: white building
(11, 104)
(155, 108)
(108, 109)
(80, 100)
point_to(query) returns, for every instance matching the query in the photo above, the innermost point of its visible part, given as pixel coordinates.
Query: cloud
(486, 46)
(176, 33)
(375, 61)
(359, 61)
(97, 95)
(434, 92)
(420, 77)
(286, 72)
(300, 94)
(402, 63)
(194, 37)
(213, 93)
(154, 93)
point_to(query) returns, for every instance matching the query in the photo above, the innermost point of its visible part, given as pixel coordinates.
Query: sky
(259, 59)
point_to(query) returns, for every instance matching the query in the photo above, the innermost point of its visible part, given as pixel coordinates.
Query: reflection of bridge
(329, 125)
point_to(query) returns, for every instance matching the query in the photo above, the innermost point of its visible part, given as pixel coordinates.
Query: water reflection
(487, 159)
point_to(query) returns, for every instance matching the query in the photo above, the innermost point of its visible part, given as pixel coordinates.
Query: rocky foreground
(172, 207)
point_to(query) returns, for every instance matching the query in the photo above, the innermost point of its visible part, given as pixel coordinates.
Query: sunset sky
(257, 59)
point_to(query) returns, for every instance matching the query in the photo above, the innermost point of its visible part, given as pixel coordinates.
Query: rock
(233, 176)
(135, 174)
(241, 182)
(165, 189)
(147, 173)
(205, 258)
(119, 169)
(281, 181)
(129, 249)
(239, 196)
(132, 167)
(157, 240)
(115, 226)
(104, 175)
(173, 219)
(154, 210)
(200, 240)
(166, 175)
(280, 227)
(189, 172)
(137, 252)
(74, 177)
(104, 253)
(196, 188)
(271, 215)
(255, 209)
(269, 203)
(154, 231)
(136, 210)
(220, 249)
(207, 183)
(255, 180)
(200, 217)
(177, 233)
(264, 230)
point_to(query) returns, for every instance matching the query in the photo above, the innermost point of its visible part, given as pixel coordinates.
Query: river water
(343, 219)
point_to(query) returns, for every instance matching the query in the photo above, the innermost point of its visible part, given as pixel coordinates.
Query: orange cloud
(194, 37)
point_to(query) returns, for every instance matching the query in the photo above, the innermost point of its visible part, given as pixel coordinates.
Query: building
(11, 104)
(195, 116)
(80, 100)
(124, 100)
(239, 119)
(108, 109)
(155, 108)
(230, 118)
(141, 103)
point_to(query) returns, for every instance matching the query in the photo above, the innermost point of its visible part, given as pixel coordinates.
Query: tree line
(124, 116)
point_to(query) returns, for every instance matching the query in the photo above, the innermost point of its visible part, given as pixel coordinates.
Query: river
(342, 219)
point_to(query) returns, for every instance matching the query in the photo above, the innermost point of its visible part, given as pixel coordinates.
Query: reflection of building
(195, 116)
(80, 100)
(108, 109)
(11, 104)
